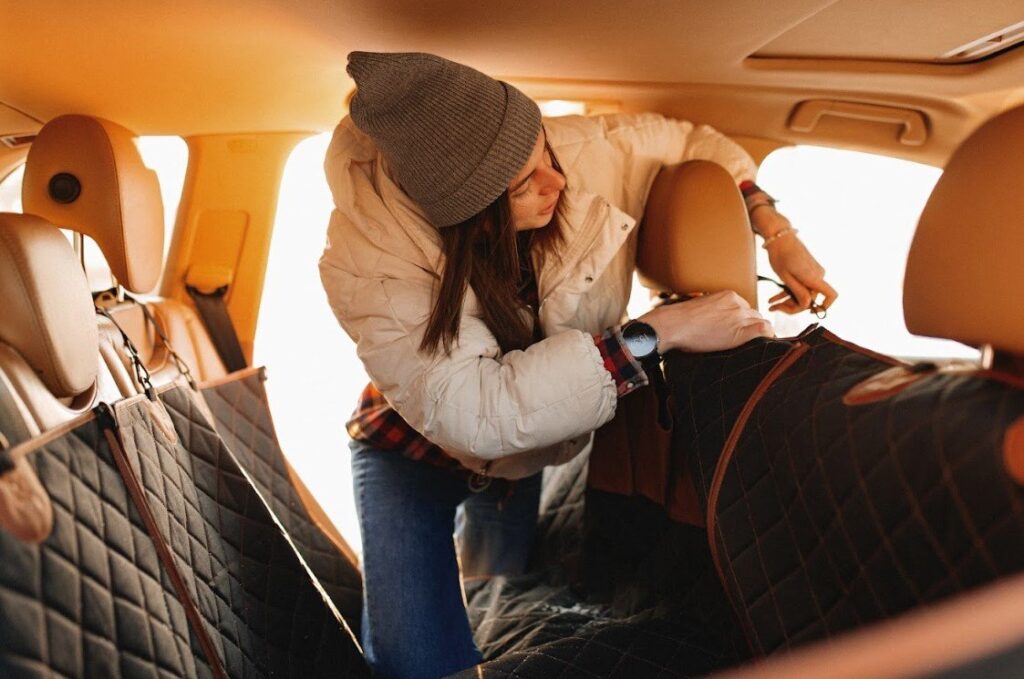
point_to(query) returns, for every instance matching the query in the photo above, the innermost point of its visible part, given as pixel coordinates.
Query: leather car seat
(87, 175)
(51, 366)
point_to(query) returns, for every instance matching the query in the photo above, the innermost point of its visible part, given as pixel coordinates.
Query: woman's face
(533, 193)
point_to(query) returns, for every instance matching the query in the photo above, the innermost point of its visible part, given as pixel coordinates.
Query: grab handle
(807, 114)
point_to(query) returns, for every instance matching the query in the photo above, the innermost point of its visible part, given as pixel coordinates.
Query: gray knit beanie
(454, 137)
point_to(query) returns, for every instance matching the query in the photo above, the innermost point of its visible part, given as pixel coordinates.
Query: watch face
(641, 339)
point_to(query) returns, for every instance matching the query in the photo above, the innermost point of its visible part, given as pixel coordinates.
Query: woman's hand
(722, 320)
(794, 264)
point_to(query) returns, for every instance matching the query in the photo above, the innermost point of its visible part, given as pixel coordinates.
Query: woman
(485, 285)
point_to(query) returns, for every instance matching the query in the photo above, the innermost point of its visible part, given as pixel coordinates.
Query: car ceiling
(226, 66)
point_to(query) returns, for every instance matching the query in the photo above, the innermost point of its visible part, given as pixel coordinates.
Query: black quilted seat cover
(261, 606)
(242, 418)
(92, 600)
(633, 594)
(833, 516)
(708, 394)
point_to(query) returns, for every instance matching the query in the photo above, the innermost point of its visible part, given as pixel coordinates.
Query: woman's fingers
(760, 328)
(830, 294)
(802, 294)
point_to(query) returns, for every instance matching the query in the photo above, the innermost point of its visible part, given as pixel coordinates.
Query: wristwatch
(641, 340)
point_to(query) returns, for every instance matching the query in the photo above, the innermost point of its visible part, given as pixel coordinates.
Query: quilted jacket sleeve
(476, 403)
(618, 156)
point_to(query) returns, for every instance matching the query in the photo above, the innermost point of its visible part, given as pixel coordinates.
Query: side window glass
(10, 190)
(856, 212)
(168, 157)
(314, 374)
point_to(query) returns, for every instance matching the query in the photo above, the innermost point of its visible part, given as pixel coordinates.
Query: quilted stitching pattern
(851, 514)
(559, 540)
(243, 419)
(260, 604)
(92, 600)
(630, 648)
(708, 394)
(652, 605)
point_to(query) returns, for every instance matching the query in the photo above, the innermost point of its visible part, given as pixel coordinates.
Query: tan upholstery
(184, 329)
(964, 276)
(189, 338)
(121, 209)
(119, 205)
(696, 235)
(48, 317)
(50, 354)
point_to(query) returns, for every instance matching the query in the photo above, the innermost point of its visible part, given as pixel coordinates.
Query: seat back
(50, 352)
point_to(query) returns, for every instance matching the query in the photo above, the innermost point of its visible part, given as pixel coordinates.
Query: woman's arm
(476, 400)
(619, 156)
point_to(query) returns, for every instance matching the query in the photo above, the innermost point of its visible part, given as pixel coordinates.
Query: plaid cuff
(627, 372)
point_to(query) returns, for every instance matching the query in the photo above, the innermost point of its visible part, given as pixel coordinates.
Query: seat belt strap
(213, 310)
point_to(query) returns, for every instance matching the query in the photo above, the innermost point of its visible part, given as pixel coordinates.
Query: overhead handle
(807, 114)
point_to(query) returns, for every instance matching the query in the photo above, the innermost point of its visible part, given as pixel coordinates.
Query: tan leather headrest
(48, 316)
(964, 276)
(696, 235)
(86, 174)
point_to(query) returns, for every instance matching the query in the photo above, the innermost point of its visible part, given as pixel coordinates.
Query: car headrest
(964, 278)
(695, 236)
(48, 314)
(87, 175)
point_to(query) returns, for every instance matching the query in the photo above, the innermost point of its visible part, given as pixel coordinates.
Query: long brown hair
(482, 252)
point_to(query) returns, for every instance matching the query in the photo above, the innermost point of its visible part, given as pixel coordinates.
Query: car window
(314, 375)
(857, 213)
(167, 156)
(10, 190)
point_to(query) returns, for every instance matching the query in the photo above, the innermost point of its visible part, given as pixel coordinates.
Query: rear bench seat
(837, 488)
(119, 207)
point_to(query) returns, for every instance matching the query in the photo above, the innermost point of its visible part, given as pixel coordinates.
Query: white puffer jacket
(517, 412)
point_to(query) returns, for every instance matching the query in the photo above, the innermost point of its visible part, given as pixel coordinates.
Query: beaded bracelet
(781, 234)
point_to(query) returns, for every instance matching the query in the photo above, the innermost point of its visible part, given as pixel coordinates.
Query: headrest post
(78, 242)
(988, 356)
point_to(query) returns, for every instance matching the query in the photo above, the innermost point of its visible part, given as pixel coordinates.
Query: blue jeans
(414, 616)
